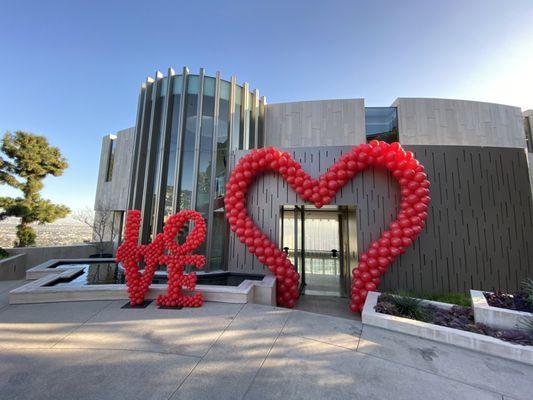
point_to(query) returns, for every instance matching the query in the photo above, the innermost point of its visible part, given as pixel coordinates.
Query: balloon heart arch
(373, 263)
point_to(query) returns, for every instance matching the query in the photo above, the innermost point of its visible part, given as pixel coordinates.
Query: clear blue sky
(71, 70)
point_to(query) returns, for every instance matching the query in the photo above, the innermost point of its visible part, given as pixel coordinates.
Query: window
(203, 183)
(222, 153)
(529, 133)
(110, 159)
(188, 143)
(248, 121)
(251, 115)
(261, 125)
(117, 230)
(381, 124)
(159, 141)
(218, 242)
(237, 141)
(174, 136)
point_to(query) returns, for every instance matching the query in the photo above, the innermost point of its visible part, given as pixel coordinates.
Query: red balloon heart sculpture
(163, 251)
(380, 254)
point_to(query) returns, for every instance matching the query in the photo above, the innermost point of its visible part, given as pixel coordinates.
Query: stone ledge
(495, 317)
(260, 292)
(13, 267)
(45, 268)
(455, 337)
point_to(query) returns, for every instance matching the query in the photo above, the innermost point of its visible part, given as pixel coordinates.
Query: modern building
(192, 128)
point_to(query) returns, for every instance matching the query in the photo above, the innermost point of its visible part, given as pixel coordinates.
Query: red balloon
(415, 198)
(163, 250)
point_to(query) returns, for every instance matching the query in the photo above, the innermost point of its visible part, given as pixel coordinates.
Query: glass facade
(238, 138)
(206, 118)
(188, 144)
(175, 125)
(157, 142)
(203, 181)
(250, 119)
(529, 133)
(381, 123)
(222, 153)
(110, 161)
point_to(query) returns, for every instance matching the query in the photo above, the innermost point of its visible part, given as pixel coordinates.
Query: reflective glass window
(174, 136)
(381, 124)
(222, 153)
(110, 160)
(261, 127)
(218, 242)
(253, 112)
(529, 133)
(247, 119)
(237, 128)
(206, 147)
(188, 142)
(164, 84)
(157, 141)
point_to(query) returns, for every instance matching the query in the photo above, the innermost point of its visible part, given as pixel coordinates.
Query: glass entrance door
(324, 254)
(316, 243)
(292, 238)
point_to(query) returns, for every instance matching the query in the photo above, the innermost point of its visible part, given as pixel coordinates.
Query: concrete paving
(97, 350)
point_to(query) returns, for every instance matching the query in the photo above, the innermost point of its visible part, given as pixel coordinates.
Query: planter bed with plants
(505, 311)
(446, 323)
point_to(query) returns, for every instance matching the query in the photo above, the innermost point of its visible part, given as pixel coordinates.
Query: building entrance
(321, 243)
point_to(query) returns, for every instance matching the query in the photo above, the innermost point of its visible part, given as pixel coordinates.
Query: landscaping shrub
(521, 300)
(459, 299)
(457, 318)
(408, 306)
(3, 253)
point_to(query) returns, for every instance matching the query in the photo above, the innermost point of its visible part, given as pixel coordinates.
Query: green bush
(459, 299)
(409, 307)
(527, 287)
(3, 253)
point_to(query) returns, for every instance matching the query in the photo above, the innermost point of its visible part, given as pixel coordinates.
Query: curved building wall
(459, 122)
(315, 123)
(187, 124)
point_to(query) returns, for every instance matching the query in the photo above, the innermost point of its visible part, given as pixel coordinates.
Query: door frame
(346, 236)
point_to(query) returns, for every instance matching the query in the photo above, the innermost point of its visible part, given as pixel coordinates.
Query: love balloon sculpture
(373, 263)
(164, 250)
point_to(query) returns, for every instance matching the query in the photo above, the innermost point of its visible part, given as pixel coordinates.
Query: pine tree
(28, 160)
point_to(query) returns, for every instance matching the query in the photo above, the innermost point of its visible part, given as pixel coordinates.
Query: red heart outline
(380, 254)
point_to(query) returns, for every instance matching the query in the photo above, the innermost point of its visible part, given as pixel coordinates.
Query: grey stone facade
(315, 123)
(479, 232)
(190, 128)
(112, 194)
(459, 122)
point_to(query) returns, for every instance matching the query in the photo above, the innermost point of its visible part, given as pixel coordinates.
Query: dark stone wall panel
(479, 232)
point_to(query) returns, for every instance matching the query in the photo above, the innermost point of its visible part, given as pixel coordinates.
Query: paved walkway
(96, 350)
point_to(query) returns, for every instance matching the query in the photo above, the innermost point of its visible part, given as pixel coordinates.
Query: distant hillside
(61, 232)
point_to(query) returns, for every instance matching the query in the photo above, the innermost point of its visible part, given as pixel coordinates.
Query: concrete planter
(49, 267)
(13, 267)
(455, 337)
(29, 257)
(495, 317)
(39, 291)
